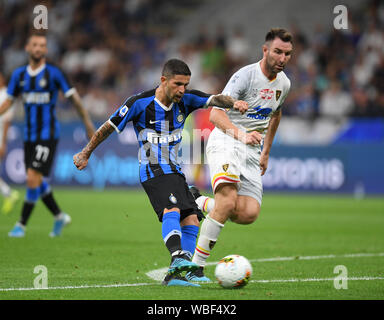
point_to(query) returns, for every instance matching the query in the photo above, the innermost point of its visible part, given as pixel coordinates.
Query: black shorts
(171, 191)
(39, 155)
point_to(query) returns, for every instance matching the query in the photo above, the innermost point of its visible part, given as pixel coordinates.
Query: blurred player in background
(238, 148)
(158, 118)
(39, 83)
(10, 196)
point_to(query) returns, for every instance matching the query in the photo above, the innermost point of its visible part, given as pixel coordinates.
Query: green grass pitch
(115, 240)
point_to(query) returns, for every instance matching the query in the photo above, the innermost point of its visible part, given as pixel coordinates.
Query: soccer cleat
(59, 224)
(177, 280)
(197, 276)
(18, 231)
(195, 192)
(9, 202)
(180, 264)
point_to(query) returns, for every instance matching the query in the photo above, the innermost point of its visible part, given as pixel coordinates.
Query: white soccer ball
(233, 271)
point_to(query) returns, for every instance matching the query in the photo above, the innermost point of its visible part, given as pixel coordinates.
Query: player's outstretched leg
(205, 204)
(180, 261)
(225, 203)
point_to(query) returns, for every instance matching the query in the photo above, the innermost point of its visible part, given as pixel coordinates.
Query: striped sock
(209, 232)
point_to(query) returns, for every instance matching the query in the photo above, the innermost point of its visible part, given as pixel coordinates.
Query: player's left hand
(264, 162)
(241, 105)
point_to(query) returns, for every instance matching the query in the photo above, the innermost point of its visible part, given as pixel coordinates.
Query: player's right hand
(80, 160)
(240, 105)
(253, 138)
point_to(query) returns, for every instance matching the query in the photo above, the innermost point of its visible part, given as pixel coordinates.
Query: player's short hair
(280, 33)
(36, 33)
(175, 66)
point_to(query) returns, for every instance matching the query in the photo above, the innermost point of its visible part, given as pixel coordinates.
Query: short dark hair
(36, 33)
(175, 66)
(280, 33)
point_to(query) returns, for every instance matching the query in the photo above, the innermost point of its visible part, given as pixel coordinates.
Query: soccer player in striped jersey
(39, 83)
(158, 117)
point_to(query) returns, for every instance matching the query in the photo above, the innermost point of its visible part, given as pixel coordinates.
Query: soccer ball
(233, 271)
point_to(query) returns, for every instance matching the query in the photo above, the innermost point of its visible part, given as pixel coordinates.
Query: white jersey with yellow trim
(263, 96)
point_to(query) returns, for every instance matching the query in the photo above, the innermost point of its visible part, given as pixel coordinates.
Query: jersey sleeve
(125, 113)
(13, 88)
(63, 83)
(285, 94)
(286, 91)
(236, 86)
(195, 99)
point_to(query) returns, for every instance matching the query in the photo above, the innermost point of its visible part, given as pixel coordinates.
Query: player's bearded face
(176, 86)
(277, 55)
(37, 48)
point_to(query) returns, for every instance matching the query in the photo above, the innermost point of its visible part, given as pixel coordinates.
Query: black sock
(51, 204)
(26, 212)
(173, 243)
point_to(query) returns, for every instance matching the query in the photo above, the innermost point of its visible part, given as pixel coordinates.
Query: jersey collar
(164, 106)
(34, 73)
(265, 77)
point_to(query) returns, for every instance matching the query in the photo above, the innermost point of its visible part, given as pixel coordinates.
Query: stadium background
(331, 137)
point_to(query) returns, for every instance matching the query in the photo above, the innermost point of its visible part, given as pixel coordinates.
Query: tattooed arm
(224, 101)
(81, 159)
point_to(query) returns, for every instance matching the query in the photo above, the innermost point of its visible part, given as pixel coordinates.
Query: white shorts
(231, 161)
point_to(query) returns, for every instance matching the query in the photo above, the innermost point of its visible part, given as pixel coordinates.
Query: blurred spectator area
(113, 49)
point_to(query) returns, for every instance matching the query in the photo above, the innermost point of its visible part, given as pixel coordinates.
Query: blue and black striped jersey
(39, 89)
(158, 129)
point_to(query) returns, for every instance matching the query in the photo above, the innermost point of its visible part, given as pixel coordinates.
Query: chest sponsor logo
(36, 97)
(156, 138)
(266, 94)
(259, 113)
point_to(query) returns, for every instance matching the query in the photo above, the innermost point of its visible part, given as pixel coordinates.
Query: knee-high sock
(209, 233)
(31, 197)
(171, 232)
(188, 239)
